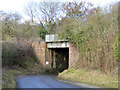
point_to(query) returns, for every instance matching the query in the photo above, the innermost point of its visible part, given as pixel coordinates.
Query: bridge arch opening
(59, 58)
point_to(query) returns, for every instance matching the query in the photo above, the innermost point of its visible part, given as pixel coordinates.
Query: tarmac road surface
(41, 81)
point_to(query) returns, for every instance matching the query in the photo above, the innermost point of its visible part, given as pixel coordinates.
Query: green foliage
(9, 24)
(42, 32)
(12, 28)
(116, 48)
(35, 60)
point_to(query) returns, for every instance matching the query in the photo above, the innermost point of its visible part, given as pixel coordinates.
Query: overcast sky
(19, 5)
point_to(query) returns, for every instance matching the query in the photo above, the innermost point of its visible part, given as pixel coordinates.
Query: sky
(19, 5)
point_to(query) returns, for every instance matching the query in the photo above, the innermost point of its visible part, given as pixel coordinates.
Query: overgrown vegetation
(95, 35)
(92, 30)
(17, 54)
(115, 48)
(8, 78)
(18, 58)
(93, 77)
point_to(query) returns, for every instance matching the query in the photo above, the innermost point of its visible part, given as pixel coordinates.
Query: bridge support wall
(40, 51)
(44, 55)
(73, 55)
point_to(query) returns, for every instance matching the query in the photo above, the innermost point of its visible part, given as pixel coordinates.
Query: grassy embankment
(92, 77)
(8, 78)
(9, 74)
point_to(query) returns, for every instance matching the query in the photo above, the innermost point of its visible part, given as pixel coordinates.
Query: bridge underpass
(59, 50)
(56, 54)
(60, 58)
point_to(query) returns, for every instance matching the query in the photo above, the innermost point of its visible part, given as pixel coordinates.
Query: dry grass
(92, 77)
(8, 79)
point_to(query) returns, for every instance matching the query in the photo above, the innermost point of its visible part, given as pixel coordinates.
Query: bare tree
(50, 11)
(30, 11)
(46, 12)
(78, 9)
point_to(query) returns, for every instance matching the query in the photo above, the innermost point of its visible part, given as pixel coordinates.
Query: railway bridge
(56, 53)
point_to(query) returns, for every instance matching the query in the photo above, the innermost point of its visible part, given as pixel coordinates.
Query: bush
(16, 54)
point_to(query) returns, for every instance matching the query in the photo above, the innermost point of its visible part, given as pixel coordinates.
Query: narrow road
(41, 81)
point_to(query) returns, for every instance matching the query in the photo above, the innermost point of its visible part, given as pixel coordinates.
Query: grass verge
(8, 74)
(92, 77)
(8, 78)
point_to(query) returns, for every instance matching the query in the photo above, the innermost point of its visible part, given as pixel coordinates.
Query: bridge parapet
(53, 38)
(58, 45)
(54, 42)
